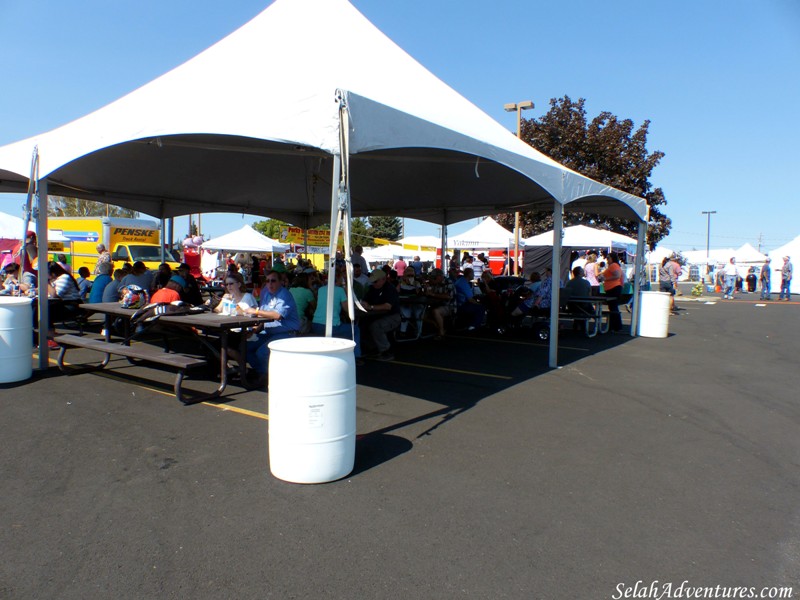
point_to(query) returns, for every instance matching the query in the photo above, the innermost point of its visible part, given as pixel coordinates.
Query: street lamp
(708, 213)
(519, 107)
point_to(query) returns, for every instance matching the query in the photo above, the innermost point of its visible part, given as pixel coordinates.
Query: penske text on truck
(128, 240)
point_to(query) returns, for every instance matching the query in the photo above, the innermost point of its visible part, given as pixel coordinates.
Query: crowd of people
(393, 302)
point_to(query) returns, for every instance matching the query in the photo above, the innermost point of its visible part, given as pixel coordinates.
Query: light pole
(519, 107)
(708, 213)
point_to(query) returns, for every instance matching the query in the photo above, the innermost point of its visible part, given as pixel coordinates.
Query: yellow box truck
(128, 240)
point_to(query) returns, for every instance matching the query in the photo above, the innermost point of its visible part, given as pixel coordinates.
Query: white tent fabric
(10, 226)
(486, 234)
(418, 241)
(659, 254)
(11, 229)
(247, 125)
(716, 256)
(245, 239)
(581, 236)
(748, 254)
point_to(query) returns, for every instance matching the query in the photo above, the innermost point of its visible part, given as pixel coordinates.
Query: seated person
(100, 282)
(170, 292)
(276, 304)
(161, 277)
(381, 297)
(409, 290)
(304, 299)
(83, 281)
(63, 286)
(191, 291)
(441, 301)
(537, 303)
(236, 297)
(466, 304)
(340, 329)
(10, 280)
(111, 291)
(577, 287)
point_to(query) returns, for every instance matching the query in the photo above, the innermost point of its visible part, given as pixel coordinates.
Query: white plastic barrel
(312, 409)
(16, 338)
(654, 314)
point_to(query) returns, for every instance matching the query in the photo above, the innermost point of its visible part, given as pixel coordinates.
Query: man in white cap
(786, 279)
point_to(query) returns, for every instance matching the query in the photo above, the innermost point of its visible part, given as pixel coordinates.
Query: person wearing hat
(764, 279)
(382, 303)
(786, 279)
(170, 292)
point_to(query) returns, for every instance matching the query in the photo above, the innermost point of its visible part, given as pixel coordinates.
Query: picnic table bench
(141, 351)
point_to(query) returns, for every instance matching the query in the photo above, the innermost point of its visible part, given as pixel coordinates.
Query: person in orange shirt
(171, 291)
(612, 284)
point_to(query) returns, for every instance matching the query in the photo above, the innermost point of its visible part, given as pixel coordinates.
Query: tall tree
(270, 227)
(608, 150)
(388, 228)
(63, 206)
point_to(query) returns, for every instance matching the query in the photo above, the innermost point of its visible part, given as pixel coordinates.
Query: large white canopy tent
(349, 122)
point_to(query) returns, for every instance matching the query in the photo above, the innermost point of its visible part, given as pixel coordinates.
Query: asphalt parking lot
(480, 473)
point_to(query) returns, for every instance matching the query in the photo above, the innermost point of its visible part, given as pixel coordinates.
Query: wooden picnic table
(191, 324)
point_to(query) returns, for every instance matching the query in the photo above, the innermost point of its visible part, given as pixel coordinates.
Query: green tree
(359, 234)
(63, 206)
(608, 150)
(388, 228)
(270, 227)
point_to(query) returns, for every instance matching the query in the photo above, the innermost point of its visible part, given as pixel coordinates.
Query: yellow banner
(316, 237)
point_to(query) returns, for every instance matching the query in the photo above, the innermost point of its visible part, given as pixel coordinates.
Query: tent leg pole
(43, 275)
(337, 166)
(558, 229)
(637, 277)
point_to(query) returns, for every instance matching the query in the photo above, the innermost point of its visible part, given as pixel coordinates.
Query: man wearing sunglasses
(277, 304)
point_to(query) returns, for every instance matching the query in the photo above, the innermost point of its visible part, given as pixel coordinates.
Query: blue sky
(718, 79)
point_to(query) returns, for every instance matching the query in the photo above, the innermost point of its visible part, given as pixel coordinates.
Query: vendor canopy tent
(486, 234)
(581, 236)
(245, 239)
(748, 254)
(247, 126)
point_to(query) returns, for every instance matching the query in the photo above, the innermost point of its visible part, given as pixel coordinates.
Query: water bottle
(232, 308)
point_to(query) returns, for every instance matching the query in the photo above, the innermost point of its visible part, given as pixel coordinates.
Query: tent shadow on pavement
(451, 378)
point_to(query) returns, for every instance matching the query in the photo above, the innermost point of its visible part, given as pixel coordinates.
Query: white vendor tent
(582, 236)
(245, 239)
(486, 234)
(308, 113)
(749, 255)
